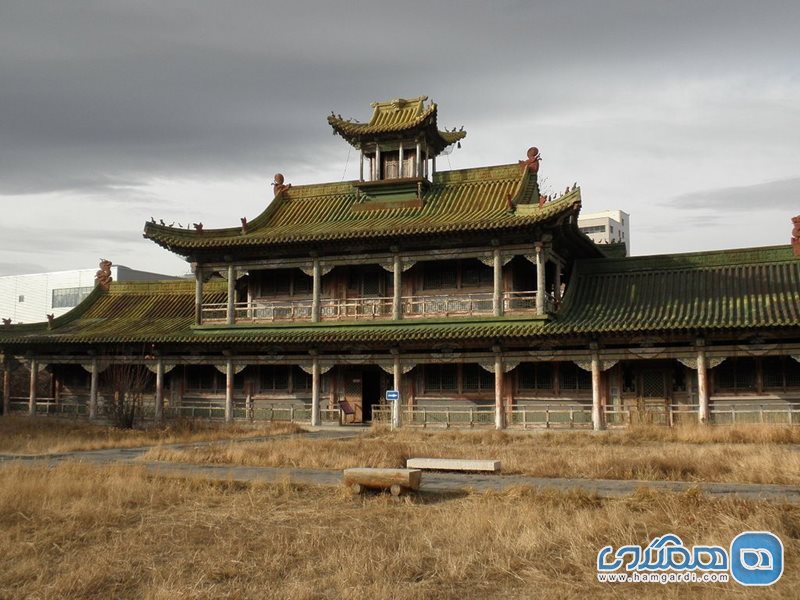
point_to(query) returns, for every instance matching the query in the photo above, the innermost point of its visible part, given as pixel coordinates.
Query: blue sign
(392, 395)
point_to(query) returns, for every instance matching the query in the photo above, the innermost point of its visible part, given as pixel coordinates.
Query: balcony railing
(332, 309)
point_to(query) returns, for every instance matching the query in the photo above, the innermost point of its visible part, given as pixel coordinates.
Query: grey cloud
(134, 90)
(780, 195)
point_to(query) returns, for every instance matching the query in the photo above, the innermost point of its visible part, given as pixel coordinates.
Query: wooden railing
(348, 309)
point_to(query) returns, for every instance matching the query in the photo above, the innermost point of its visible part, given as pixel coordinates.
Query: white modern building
(30, 298)
(607, 227)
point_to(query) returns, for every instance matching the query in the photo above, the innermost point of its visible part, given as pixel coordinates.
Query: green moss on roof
(730, 289)
(400, 115)
(465, 200)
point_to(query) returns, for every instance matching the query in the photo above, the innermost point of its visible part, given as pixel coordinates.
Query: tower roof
(402, 117)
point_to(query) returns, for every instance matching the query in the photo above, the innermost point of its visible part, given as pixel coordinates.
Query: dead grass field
(747, 454)
(26, 435)
(75, 531)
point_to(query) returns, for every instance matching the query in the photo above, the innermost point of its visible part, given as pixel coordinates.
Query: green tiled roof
(732, 289)
(753, 289)
(465, 200)
(394, 116)
(161, 312)
(129, 311)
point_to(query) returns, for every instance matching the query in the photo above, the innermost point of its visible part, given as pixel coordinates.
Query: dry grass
(26, 435)
(760, 455)
(81, 532)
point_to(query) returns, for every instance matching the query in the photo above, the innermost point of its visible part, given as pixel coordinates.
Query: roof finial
(796, 235)
(532, 162)
(278, 186)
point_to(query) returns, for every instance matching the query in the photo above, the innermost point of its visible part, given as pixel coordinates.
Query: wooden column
(93, 390)
(198, 296)
(557, 290)
(540, 282)
(32, 397)
(499, 413)
(361, 167)
(597, 409)
(397, 375)
(159, 413)
(377, 162)
(316, 291)
(418, 161)
(397, 306)
(400, 166)
(6, 385)
(702, 386)
(497, 298)
(315, 415)
(231, 313)
(229, 390)
(433, 167)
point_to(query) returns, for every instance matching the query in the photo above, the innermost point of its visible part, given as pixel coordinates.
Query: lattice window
(574, 378)
(301, 381)
(735, 374)
(792, 372)
(441, 378)
(439, 275)
(203, 378)
(273, 378)
(653, 384)
(475, 274)
(772, 368)
(535, 376)
(475, 378)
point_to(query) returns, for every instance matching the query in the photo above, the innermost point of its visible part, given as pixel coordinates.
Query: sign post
(393, 396)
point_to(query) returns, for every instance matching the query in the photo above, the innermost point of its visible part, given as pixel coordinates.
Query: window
(736, 374)
(272, 378)
(535, 376)
(780, 372)
(457, 275)
(301, 381)
(593, 229)
(21, 298)
(441, 378)
(469, 378)
(368, 281)
(284, 282)
(476, 379)
(203, 378)
(574, 378)
(69, 297)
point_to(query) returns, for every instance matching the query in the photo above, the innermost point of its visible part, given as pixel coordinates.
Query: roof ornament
(103, 276)
(198, 227)
(279, 186)
(50, 318)
(532, 162)
(6, 322)
(244, 225)
(796, 235)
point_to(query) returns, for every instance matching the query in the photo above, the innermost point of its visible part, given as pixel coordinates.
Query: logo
(756, 558)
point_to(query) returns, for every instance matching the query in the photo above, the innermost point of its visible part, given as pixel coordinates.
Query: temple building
(466, 291)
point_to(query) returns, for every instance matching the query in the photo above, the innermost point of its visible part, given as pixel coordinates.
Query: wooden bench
(397, 481)
(454, 464)
(346, 410)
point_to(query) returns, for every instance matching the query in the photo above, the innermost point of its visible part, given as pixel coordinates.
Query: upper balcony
(374, 308)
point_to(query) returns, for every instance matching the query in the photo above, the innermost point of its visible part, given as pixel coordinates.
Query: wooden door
(353, 383)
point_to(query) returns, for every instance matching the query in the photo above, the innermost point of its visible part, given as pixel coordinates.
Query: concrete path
(432, 482)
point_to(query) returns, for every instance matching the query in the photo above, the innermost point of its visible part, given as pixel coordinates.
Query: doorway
(363, 386)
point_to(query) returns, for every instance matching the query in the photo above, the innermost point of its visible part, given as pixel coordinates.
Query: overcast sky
(686, 114)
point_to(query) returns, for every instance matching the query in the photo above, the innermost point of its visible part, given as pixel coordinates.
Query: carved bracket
(223, 368)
